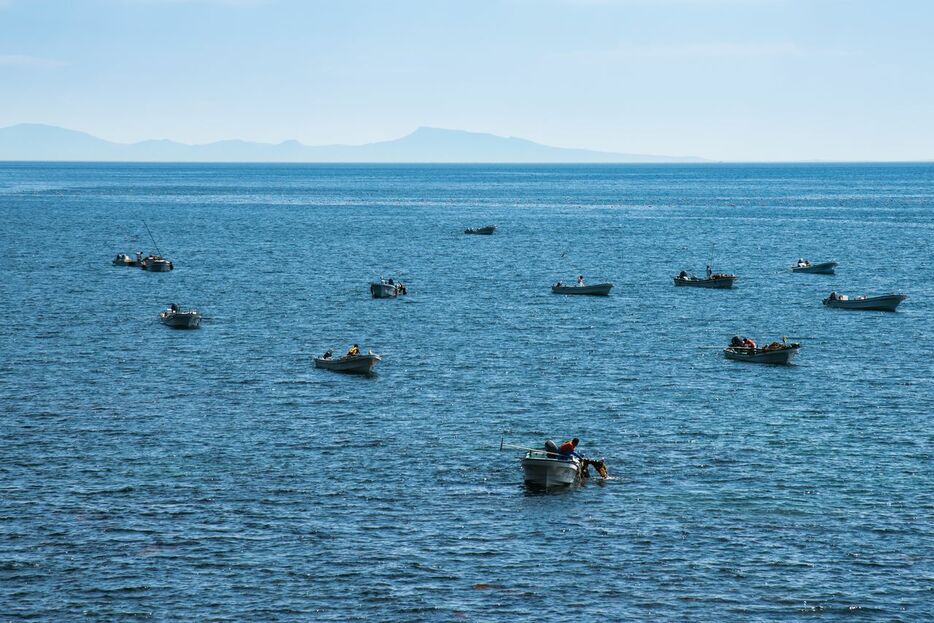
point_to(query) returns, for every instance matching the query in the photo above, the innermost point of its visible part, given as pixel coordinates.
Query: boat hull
(887, 302)
(157, 265)
(181, 320)
(823, 268)
(542, 471)
(360, 364)
(385, 290)
(597, 289)
(719, 283)
(481, 231)
(781, 357)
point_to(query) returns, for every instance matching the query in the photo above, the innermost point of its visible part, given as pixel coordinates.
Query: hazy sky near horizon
(720, 79)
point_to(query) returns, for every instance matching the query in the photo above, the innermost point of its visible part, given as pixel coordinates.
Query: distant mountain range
(31, 141)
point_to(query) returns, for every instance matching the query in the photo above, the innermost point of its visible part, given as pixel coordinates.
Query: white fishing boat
(715, 280)
(775, 353)
(884, 302)
(545, 469)
(482, 231)
(351, 364)
(818, 268)
(387, 289)
(156, 264)
(153, 263)
(123, 259)
(180, 319)
(597, 289)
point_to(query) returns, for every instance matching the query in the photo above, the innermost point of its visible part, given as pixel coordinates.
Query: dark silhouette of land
(29, 141)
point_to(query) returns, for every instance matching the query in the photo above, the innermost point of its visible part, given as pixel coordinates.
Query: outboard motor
(552, 448)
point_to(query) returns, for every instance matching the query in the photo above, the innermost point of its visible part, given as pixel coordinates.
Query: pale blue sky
(720, 79)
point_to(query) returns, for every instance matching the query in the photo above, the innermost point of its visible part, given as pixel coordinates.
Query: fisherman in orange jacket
(569, 448)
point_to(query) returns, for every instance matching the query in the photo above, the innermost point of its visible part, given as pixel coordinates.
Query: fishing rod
(504, 446)
(151, 237)
(570, 263)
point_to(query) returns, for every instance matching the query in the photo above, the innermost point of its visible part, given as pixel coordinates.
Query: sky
(740, 80)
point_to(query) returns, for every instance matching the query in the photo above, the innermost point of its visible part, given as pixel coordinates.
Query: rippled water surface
(216, 475)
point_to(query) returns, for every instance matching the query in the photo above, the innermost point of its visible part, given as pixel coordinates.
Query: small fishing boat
(351, 364)
(153, 263)
(156, 264)
(482, 231)
(884, 302)
(549, 468)
(177, 318)
(715, 280)
(819, 268)
(776, 353)
(123, 259)
(387, 289)
(597, 289)
(544, 469)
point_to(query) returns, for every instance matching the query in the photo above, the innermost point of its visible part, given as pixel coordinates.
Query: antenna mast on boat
(569, 262)
(152, 238)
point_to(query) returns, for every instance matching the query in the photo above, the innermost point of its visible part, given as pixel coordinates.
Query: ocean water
(215, 475)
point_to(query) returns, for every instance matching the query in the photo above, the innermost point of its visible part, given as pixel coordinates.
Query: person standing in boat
(580, 281)
(353, 351)
(709, 271)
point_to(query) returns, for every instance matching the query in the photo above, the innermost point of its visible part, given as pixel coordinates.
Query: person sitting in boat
(748, 343)
(173, 307)
(833, 296)
(353, 351)
(580, 281)
(683, 274)
(569, 449)
(803, 262)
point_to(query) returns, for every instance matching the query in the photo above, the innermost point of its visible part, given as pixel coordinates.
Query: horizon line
(464, 162)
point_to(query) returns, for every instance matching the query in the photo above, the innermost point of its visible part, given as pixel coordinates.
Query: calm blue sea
(215, 475)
